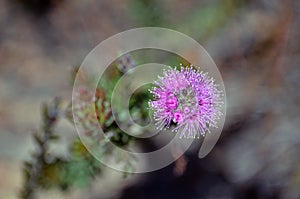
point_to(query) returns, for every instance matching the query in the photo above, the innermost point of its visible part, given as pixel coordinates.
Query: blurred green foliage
(200, 22)
(147, 12)
(47, 170)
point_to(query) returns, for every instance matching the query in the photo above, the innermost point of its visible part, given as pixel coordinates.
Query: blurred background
(255, 44)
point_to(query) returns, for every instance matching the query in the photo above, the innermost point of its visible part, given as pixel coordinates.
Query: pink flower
(171, 103)
(177, 117)
(187, 97)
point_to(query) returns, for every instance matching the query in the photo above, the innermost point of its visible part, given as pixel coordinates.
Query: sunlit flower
(188, 98)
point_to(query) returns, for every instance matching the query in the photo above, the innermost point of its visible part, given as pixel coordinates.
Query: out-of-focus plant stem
(34, 168)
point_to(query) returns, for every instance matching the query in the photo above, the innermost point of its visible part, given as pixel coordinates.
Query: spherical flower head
(188, 98)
